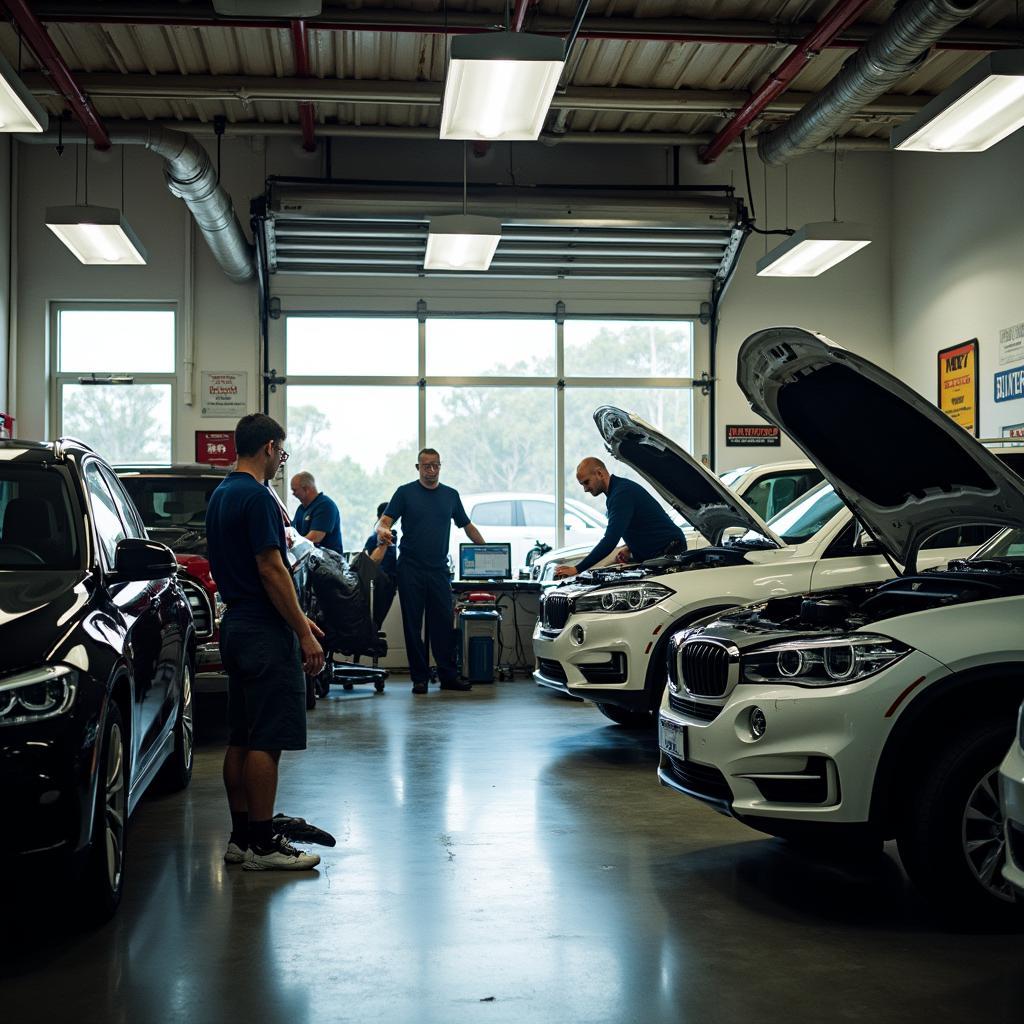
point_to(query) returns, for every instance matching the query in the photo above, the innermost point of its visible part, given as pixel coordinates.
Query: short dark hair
(380, 508)
(428, 451)
(254, 431)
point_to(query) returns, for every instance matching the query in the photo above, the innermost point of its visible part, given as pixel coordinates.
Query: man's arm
(383, 530)
(315, 536)
(618, 518)
(277, 582)
(474, 534)
(378, 553)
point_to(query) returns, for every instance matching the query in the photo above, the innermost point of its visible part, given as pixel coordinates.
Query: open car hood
(903, 467)
(694, 492)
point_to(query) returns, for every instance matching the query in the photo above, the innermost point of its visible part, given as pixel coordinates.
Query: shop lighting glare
(978, 110)
(461, 242)
(96, 235)
(813, 249)
(500, 85)
(19, 109)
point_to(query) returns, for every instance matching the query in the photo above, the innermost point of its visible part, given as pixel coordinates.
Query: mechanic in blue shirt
(317, 518)
(427, 509)
(383, 554)
(633, 515)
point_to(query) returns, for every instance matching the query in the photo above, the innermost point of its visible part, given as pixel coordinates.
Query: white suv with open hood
(603, 635)
(878, 710)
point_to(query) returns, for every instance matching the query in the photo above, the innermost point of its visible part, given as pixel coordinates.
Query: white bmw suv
(872, 711)
(603, 636)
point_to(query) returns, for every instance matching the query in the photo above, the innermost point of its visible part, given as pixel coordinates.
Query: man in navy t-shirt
(427, 509)
(317, 518)
(266, 643)
(633, 515)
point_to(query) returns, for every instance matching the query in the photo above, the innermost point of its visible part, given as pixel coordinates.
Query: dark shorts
(266, 684)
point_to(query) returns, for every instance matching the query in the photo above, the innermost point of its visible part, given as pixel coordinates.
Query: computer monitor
(485, 561)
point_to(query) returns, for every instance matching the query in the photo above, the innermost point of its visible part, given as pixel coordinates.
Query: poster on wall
(958, 384)
(224, 394)
(751, 435)
(1008, 385)
(1011, 345)
(215, 447)
(1014, 430)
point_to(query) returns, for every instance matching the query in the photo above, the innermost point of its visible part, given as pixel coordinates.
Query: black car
(97, 654)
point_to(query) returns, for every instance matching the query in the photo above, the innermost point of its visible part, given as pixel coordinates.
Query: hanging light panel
(19, 109)
(813, 249)
(500, 85)
(461, 242)
(96, 235)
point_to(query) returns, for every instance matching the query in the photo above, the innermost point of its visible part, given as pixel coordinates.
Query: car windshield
(1005, 544)
(730, 476)
(37, 520)
(175, 503)
(804, 518)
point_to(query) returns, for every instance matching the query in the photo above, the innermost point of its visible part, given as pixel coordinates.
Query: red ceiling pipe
(41, 44)
(839, 18)
(306, 117)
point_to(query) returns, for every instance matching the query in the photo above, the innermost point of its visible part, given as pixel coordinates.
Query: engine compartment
(701, 558)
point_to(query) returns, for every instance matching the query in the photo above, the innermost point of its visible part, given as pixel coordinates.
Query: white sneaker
(281, 856)
(234, 854)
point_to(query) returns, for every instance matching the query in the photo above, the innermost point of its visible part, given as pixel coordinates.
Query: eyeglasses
(281, 453)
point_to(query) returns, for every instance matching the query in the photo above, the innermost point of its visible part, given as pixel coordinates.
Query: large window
(508, 402)
(115, 378)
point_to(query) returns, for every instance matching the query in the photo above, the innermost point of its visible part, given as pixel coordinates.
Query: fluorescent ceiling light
(97, 235)
(499, 85)
(813, 249)
(978, 110)
(461, 243)
(19, 109)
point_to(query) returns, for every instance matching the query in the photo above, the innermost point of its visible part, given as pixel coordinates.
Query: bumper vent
(693, 709)
(199, 602)
(700, 779)
(552, 670)
(555, 613)
(612, 671)
(703, 668)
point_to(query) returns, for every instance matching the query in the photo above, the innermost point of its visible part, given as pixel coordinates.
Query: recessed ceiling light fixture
(978, 110)
(19, 109)
(813, 249)
(499, 85)
(96, 235)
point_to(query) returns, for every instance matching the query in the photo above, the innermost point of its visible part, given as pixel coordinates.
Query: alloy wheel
(983, 837)
(115, 816)
(187, 719)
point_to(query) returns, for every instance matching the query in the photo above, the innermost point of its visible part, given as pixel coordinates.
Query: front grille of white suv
(703, 668)
(555, 611)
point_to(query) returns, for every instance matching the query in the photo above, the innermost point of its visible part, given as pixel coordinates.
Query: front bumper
(817, 759)
(1011, 788)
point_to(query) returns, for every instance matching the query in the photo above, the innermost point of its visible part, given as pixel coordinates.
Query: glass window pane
(129, 515)
(335, 346)
(490, 348)
(124, 423)
(115, 341)
(538, 513)
(668, 409)
(628, 348)
(492, 513)
(108, 525)
(359, 442)
(37, 523)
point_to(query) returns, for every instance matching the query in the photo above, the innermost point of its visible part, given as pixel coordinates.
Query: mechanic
(634, 516)
(427, 508)
(318, 518)
(266, 642)
(383, 554)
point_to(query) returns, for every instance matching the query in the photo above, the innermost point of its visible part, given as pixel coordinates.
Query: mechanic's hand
(623, 556)
(315, 629)
(562, 571)
(385, 536)
(312, 654)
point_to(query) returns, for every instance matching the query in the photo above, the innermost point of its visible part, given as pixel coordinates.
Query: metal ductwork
(899, 47)
(192, 177)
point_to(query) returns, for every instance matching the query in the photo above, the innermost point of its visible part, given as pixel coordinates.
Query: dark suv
(97, 652)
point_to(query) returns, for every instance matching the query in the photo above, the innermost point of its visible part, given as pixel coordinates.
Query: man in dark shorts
(265, 643)
(427, 509)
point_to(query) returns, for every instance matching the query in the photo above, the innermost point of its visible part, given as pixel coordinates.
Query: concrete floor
(503, 856)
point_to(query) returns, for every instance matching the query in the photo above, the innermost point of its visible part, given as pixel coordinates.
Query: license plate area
(673, 739)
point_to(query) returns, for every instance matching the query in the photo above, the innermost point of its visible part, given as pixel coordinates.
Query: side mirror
(137, 559)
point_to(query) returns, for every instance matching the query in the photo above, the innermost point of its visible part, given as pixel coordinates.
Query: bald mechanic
(633, 515)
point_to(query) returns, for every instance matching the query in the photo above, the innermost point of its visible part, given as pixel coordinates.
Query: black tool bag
(342, 609)
(371, 579)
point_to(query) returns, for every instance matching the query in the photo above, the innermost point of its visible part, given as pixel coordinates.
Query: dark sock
(240, 829)
(261, 835)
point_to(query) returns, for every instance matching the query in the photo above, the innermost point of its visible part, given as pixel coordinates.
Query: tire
(952, 840)
(102, 883)
(176, 773)
(626, 717)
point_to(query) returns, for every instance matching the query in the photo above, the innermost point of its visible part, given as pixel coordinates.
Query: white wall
(957, 254)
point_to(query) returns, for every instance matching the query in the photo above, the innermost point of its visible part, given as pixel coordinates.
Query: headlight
(38, 694)
(633, 597)
(822, 662)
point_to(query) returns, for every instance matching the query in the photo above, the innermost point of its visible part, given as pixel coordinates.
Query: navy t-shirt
(243, 519)
(426, 514)
(636, 517)
(389, 563)
(320, 514)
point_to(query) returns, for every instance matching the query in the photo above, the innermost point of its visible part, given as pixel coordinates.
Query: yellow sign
(958, 384)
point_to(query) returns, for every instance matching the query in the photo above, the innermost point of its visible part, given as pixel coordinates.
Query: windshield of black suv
(803, 519)
(1005, 544)
(37, 518)
(171, 502)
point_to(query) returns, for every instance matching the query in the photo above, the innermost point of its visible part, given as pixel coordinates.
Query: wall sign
(224, 394)
(215, 447)
(958, 384)
(752, 435)
(1009, 384)
(1014, 430)
(1011, 345)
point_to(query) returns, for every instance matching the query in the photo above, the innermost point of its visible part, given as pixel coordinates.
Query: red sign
(215, 447)
(752, 435)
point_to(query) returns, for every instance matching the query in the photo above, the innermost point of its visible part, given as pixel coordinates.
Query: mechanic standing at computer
(427, 509)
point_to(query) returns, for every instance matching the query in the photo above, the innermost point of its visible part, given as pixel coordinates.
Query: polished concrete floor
(503, 856)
